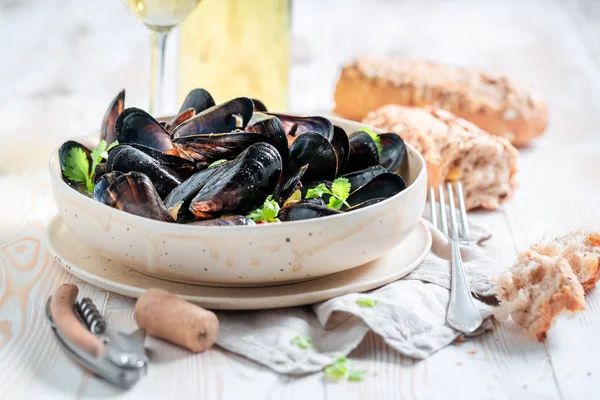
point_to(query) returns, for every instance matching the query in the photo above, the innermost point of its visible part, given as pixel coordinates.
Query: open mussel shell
(359, 178)
(272, 128)
(365, 203)
(296, 126)
(99, 171)
(199, 100)
(103, 183)
(116, 107)
(383, 186)
(125, 159)
(232, 220)
(241, 185)
(180, 198)
(207, 148)
(225, 117)
(139, 127)
(305, 209)
(179, 119)
(341, 144)
(289, 185)
(315, 150)
(259, 105)
(63, 153)
(184, 167)
(134, 193)
(393, 151)
(363, 152)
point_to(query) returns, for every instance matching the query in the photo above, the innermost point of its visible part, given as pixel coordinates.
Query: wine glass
(161, 16)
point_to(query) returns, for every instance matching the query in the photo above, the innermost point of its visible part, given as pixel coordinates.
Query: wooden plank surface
(62, 61)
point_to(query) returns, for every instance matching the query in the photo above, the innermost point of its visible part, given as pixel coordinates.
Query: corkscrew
(83, 332)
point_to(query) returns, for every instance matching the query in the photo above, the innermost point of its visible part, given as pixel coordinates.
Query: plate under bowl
(246, 255)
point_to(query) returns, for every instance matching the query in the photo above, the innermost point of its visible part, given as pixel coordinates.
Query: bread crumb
(459, 340)
(472, 352)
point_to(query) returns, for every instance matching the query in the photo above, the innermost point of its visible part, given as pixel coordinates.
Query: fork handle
(463, 314)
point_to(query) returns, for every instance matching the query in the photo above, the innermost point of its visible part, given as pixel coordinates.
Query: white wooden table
(62, 61)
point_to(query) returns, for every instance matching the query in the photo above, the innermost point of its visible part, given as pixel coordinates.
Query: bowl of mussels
(231, 194)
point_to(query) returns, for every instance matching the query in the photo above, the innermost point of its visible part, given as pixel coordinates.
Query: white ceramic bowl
(246, 255)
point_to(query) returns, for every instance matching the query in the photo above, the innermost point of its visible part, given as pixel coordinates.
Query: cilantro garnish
(267, 213)
(77, 167)
(375, 138)
(340, 190)
(366, 302)
(342, 369)
(304, 342)
(215, 163)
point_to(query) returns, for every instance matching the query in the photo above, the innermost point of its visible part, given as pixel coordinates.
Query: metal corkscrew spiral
(91, 316)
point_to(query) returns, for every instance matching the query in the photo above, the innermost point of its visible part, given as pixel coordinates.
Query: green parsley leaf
(304, 342)
(267, 213)
(341, 188)
(366, 302)
(317, 191)
(337, 370)
(335, 203)
(97, 156)
(356, 375)
(215, 163)
(77, 167)
(375, 138)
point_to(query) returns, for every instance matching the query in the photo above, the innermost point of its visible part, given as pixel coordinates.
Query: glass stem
(159, 41)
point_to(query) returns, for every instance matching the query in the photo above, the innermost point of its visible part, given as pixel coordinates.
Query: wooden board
(64, 60)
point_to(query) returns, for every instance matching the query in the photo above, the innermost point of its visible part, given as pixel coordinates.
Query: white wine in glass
(160, 16)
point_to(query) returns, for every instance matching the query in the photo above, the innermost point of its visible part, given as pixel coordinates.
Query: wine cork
(63, 314)
(164, 315)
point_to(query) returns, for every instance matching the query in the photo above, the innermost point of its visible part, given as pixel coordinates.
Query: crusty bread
(454, 149)
(548, 280)
(494, 103)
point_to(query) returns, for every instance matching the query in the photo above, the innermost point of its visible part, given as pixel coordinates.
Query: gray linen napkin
(409, 316)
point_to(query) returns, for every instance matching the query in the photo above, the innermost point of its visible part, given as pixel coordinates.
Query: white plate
(87, 265)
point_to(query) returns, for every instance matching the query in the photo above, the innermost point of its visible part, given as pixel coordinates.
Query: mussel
(359, 178)
(315, 150)
(242, 185)
(296, 126)
(67, 150)
(305, 209)
(289, 185)
(182, 166)
(225, 117)
(259, 105)
(103, 183)
(393, 151)
(134, 193)
(179, 119)
(206, 148)
(383, 186)
(125, 158)
(199, 100)
(363, 152)
(271, 127)
(311, 185)
(137, 126)
(116, 107)
(232, 220)
(341, 144)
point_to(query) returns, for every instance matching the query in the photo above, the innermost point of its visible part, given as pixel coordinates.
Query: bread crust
(453, 146)
(492, 102)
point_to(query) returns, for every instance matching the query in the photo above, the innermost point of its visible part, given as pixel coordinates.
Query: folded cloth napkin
(410, 316)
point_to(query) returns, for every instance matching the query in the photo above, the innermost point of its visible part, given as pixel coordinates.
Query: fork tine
(463, 212)
(432, 207)
(443, 210)
(452, 212)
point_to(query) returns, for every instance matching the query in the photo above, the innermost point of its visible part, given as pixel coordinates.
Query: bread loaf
(454, 149)
(494, 103)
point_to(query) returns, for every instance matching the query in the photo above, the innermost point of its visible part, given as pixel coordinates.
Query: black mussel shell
(384, 186)
(289, 185)
(134, 193)
(182, 166)
(125, 158)
(137, 126)
(271, 127)
(232, 220)
(241, 185)
(116, 107)
(99, 171)
(359, 178)
(259, 105)
(365, 203)
(179, 119)
(103, 183)
(199, 100)
(295, 126)
(363, 152)
(63, 153)
(178, 201)
(393, 151)
(207, 148)
(316, 151)
(341, 144)
(305, 210)
(225, 117)
(314, 184)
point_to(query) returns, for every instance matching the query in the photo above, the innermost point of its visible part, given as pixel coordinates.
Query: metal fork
(462, 313)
